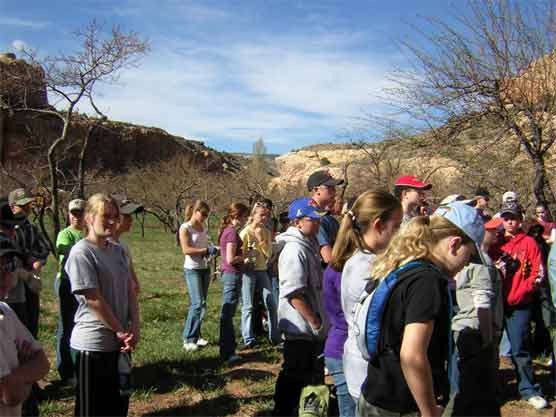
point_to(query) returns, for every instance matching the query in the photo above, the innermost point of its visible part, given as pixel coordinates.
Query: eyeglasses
(541, 212)
(9, 265)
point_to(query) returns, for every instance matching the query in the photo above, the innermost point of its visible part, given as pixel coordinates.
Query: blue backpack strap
(378, 304)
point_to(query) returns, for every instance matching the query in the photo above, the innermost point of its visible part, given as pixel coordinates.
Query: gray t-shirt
(356, 274)
(89, 267)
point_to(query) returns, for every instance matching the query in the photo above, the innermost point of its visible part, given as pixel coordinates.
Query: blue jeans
(505, 347)
(252, 280)
(197, 281)
(68, 307)
(346, 405)
(517, 325)
(275, 289)
(231, 290)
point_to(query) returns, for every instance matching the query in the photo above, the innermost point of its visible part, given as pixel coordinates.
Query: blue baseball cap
(466, 218)
(302, 207)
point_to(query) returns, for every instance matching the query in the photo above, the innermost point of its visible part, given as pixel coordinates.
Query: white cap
(509, 196)
(456, 197)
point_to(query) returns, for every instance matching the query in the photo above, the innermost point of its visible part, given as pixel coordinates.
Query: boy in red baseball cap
(411, 192)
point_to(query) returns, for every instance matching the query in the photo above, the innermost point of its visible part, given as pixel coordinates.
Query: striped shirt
(30, 239)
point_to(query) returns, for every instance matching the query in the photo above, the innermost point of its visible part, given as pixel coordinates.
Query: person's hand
(316, 327)
(213, 250)
(134, 336)
(37, 266)
(124, 338)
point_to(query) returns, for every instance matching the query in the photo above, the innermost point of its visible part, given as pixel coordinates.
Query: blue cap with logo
(302, 207)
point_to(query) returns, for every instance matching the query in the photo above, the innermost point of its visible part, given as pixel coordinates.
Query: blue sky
(228, 72)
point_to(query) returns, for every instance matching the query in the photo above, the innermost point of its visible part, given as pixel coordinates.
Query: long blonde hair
(415, 240)
(368, 207)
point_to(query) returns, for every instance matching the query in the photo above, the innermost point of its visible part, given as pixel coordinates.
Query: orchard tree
(495, 64)
(71, 78)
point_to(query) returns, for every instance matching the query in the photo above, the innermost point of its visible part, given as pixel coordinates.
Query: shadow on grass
(204, 374)
(220, 406)
(166, 376)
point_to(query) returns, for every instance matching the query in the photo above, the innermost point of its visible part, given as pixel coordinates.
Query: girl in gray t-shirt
(107, 319)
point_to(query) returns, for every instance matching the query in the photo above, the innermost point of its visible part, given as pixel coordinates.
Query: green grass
(170, 381)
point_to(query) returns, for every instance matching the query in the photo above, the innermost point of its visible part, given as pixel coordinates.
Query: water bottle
(124, 373)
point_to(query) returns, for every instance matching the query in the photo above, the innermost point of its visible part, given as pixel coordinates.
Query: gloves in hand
(213, 250)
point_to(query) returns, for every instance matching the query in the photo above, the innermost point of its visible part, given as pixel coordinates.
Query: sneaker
(537, 402)
(202, 342)
(233, 360)
(190, 347)
(247, 346)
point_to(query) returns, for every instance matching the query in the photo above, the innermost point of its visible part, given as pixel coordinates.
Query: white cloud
(19, 45)
(28, 24)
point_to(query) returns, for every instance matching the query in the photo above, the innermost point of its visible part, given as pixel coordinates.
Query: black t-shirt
(420, 295)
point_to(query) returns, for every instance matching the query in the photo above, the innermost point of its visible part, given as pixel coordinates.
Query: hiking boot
(247, 346)
(233, 360)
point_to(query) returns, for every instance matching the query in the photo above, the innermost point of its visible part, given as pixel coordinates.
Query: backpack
(367, 312)
(314, 401)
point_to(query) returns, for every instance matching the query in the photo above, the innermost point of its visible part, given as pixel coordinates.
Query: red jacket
(518, 289)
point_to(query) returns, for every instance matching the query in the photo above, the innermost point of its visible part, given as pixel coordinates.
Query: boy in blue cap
(301, 317)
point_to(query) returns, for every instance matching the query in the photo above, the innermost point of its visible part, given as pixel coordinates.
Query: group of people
(97, 288)
(466, 279)
(459, 288)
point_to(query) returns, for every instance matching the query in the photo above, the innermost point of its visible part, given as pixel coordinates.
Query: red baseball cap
(413, 182)
(493, 224)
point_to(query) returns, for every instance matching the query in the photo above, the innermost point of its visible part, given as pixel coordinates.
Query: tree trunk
(539, 180)
(81, 167)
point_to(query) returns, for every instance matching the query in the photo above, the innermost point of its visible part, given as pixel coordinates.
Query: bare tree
(71, 78)
(494, 64)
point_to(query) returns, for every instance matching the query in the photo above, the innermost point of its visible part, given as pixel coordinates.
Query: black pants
(33, 306)
(303, 365)
(98, 392)
(477, 377)
(68, 307)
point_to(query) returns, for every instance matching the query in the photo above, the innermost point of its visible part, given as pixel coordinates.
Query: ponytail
(235, 210)
(368, 207)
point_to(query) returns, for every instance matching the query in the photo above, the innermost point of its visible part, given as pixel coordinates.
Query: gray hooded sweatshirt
(300, 272)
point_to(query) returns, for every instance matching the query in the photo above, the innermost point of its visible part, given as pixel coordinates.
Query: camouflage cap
(77, 205)
(20, 197)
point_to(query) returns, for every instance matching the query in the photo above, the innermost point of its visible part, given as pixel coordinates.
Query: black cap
(318, 178)
(482, 192)
(511, 207)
